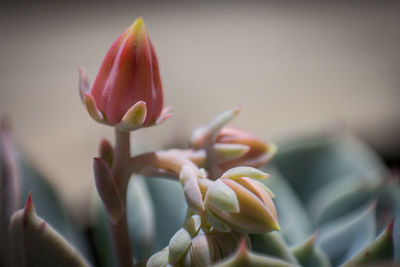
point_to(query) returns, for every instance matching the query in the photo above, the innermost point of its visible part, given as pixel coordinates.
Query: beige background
(293, 67)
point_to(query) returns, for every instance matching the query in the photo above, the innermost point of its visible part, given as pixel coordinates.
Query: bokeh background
(294, 67)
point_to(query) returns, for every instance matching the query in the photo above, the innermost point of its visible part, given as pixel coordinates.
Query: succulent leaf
(345, 236)
(245, 258)
(9, 188)
(141, 217)
(272, 244)
(378, 250)
(178, 246)
(341, 197)
(106, 152)
(191, 189)
(227, 152)
(159, 259)
(169, 209)
(293, 219)
(322, 158)
(310, 255)
(192, 224)
(222, 197)
(243, 171)
(100, 234)
(31, 236)
(108, 191)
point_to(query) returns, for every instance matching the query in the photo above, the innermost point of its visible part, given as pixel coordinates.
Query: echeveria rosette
(127, 92)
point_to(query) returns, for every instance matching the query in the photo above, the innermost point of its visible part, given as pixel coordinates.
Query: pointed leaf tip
(29, 205)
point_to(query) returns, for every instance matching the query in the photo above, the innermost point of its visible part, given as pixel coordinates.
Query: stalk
(120, 173)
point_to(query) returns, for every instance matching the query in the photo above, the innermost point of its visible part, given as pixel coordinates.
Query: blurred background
(295, 68)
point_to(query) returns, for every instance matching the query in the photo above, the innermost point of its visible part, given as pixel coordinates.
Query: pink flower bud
(127, 91)
(259, 152)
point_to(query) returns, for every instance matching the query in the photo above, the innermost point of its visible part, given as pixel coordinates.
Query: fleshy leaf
(158, 259)
(322, 158)
(293, 219)
(345, 236)
(178, 246)
(243, 171)
(191, 189)
(340, 197)
(202, 251)
(221, 120)
(106, 152)
(36, 243)
(108, 191)
(310, 255)
(245, 258)
(169, 209)
(100, 234)
(9, 188)
(227, 152)
(217, 222)
(222, 197)
(378, 250)
(192, 224)
(272, 244)
(49, 206)
(140, 216)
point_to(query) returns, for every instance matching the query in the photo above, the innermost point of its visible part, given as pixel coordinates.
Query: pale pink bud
(258, 154)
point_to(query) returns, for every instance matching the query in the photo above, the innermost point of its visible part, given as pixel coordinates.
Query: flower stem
(120, 173)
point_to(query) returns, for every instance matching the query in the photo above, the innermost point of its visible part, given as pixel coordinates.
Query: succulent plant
(228, 199)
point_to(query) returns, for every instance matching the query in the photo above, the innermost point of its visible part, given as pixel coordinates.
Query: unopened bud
(256, 211)
(127, 92)
(258, 154)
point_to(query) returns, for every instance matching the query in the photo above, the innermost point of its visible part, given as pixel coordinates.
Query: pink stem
(120, 173)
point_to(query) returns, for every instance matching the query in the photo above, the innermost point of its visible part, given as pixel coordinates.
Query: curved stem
(169, 161)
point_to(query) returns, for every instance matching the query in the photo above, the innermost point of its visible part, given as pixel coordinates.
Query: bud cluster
(218, 172)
